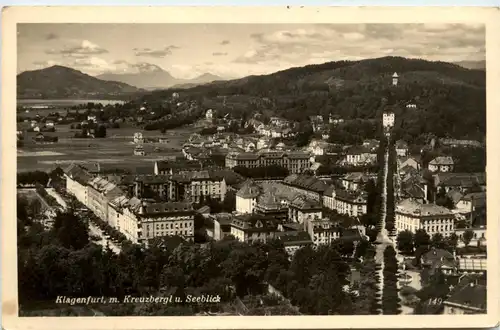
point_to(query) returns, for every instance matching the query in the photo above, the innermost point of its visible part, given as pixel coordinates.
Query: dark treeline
(390, 299)
(391, 201)
(65, 261)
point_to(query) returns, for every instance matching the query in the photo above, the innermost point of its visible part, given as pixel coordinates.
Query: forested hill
(450, 100)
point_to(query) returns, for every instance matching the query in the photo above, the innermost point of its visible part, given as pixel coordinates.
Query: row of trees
(391, 198)
(368, 301)
(32, 178)
(391, 303)
(420, 242)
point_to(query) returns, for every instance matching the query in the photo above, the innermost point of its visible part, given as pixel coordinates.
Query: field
(116, 150)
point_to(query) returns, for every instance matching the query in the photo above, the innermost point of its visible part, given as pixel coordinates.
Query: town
(252, 209)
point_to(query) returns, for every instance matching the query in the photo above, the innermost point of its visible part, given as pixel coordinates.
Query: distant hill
(450, 100)
(62, 82)
(477, 65)
(150, 76)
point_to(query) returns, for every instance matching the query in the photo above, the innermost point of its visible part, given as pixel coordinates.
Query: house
(468, 298)
(92, 118)
(401, 148)
(139, 151)
(410, 161)
(222, 225)
(322, 231)
(294, 240)
(195, 186)
(460, 143)
(172, 166)
(34, 123)
(441, 164)
(439, 260)
(138, 138)
(352, 203)
(371, 144)
(478, 236)
(307, 185)
(356, 180)
(246, 197)
(209, 115)
(463, 182)
(100, 193)
(412, 215)
(251, 228)
(49, 123)
(302, 210)
(77, 180)
(470, 202)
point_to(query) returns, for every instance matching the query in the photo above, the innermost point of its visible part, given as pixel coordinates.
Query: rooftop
(409, 206)
(442, 160)
(249, 190)
(306, 182)
(472, 296)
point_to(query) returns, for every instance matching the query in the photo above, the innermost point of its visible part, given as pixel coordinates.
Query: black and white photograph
(250, 169)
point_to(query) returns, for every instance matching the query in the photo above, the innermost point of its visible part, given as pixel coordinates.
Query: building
(358, 156)
(348, 202)
(251, 228)
(195, 186)
(410, 161)
(294, 240)
(100, 193)
(139, 151)
(295, 162)
(307, 185)
(441, 164)
(468, 203)
(138, 138)
(165, 219)
(356, 180)
(388, 119)
(272, 205)
(467, 298)
(322, 231)
(222, 225)
(395, 78)
(478, 236)
(77, 180)
(412, 215)
(209, 115)
(146, 186)
(246, 197)
(303, 210)
(121, 216)
(371, 144)
(401, 148)
(463, 182)
(173, 166)
(460, 143)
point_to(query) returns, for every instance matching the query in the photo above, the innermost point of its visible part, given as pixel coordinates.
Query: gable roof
(442, 160)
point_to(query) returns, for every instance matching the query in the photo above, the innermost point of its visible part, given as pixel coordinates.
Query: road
(94, 230)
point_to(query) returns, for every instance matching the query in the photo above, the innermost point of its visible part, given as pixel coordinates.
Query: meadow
(116, 150)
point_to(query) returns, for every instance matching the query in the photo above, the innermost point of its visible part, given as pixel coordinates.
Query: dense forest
(450, 100)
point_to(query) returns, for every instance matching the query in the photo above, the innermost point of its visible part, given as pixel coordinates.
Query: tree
(405, 241)
(452, 241)
(100, 132)
(467, 237)
(70, 231)
(421, 238)
(437, 241)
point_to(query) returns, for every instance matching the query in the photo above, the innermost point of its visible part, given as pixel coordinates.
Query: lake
(67, 103)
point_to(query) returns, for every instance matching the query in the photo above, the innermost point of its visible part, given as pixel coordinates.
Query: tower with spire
(395, 79)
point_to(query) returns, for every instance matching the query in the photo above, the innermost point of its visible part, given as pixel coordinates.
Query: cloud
(158, 53)
(45, 64)
(225, 42)
(219, 54)
(86, 48)
(51, 36)
(297, 45)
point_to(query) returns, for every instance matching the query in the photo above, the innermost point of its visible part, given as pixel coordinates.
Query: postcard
(249, 167)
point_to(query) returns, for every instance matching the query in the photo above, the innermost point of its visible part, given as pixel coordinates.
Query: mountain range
(150, 77)
(62, 82)
(477, 65)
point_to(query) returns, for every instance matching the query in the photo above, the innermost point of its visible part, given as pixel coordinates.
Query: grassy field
(116, 149)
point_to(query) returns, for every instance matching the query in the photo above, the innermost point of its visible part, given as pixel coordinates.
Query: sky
(236, 50)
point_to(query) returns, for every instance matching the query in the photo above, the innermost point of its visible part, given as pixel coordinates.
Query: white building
(412, 215)
(441, 164)
(246, 197)
(77, 179)
(395, 78)
(209, 115)
(138, 138)
(388, 119)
